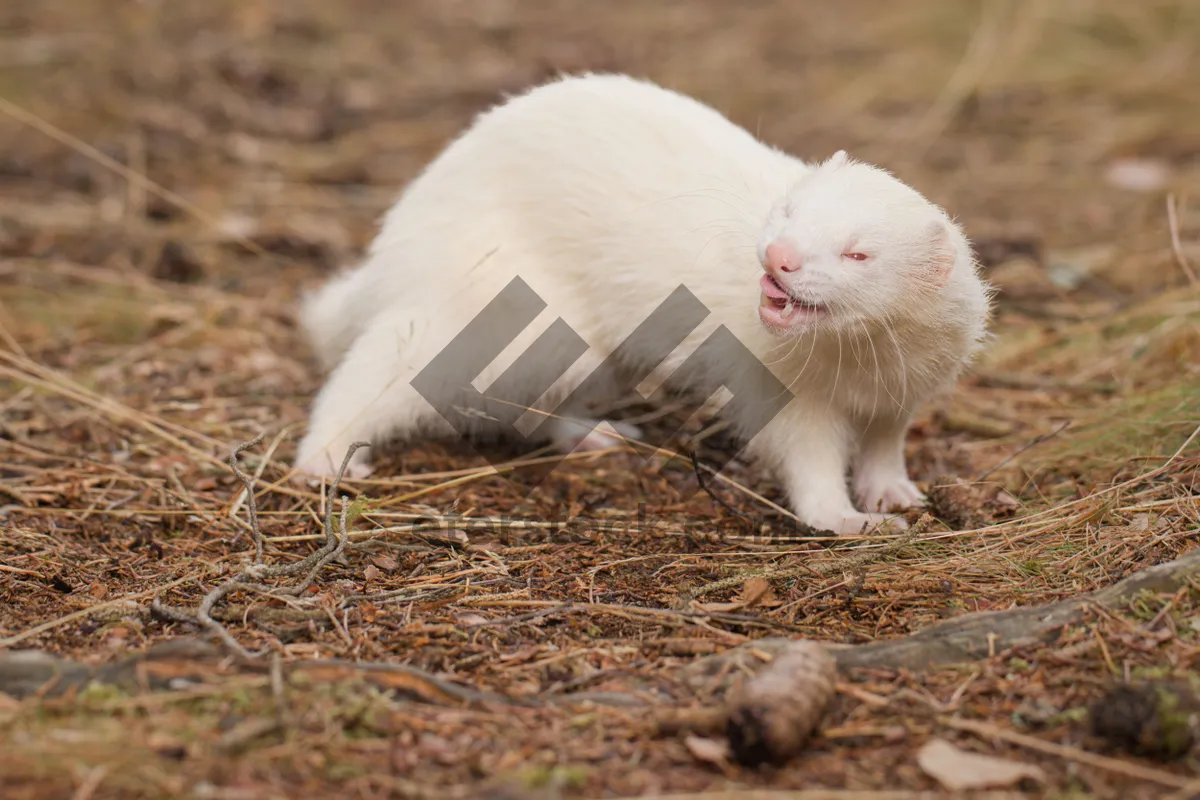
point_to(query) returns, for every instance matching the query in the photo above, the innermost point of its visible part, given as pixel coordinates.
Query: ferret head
(850, 244)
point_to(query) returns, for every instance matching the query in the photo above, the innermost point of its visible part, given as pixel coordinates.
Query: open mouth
(777, 308)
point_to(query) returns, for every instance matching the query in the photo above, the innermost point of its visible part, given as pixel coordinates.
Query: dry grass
(141, 339)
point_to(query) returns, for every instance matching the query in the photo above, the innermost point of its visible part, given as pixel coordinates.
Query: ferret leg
(367, 397)
(569, 433)
(881, 480)
(811, 457)
(573, 426)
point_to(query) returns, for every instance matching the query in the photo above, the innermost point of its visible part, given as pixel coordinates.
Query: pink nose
(781, 258)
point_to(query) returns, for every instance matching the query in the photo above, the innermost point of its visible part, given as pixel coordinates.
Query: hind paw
(585, 435)
(312, 467)
(887, 494)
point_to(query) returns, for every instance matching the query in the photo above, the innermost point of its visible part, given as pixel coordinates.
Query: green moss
(103, 314)
(568, 777)
(1031, 567)
(1147, 424)
(99, 694)
(584, 721)
(1072, 715)
(1176, 721)
(357, 508)
(1154, 673)
(240, 701)
(340, 771)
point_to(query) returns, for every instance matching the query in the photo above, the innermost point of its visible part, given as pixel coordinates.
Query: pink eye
(855, 256)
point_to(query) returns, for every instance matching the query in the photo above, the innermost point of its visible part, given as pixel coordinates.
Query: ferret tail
(331, 317)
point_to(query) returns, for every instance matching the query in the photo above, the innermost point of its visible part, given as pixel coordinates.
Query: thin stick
(258, 473)
(251, 506)
(1129, 770)
(16, 638)
(1176, 245)
(856, 561)
(19, 571)
(1032, 443)
(133, 176)
(336, 539)
(804, 529)
(9, 340)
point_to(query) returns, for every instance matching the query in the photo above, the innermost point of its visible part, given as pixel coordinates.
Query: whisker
(795, 344)
(837, 375)
(903, 365)
(811, 349)
(877, 376)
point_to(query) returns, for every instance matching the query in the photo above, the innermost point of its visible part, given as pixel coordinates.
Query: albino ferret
(605, 194)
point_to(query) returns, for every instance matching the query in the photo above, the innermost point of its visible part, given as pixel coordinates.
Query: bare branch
(251, 578)
(251, 506)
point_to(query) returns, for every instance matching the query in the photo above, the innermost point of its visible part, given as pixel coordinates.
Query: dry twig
(250, 579)
(853, 563)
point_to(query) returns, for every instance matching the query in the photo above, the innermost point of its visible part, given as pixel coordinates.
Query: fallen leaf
(9, 706)
(1138, 174)
(371, 573)
(166, 745)
(1006, 500)
(717, 608)
(710, 751)
(385, 563)
(958, 770)
(758, 592)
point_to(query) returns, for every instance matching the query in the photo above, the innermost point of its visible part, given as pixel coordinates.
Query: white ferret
(605, 194)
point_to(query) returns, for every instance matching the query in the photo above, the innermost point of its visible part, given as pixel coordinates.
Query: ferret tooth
(787, 309)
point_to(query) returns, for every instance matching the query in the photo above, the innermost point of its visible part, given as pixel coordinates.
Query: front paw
(856, 522)
(313, 466)
(880, 494)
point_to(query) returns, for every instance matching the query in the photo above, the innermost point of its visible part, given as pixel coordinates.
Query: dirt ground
(171, 176)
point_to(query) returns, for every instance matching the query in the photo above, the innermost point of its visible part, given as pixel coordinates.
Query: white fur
(604, 194)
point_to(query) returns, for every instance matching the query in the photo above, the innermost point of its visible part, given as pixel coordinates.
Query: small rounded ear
(941, 253)
(838, 159)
